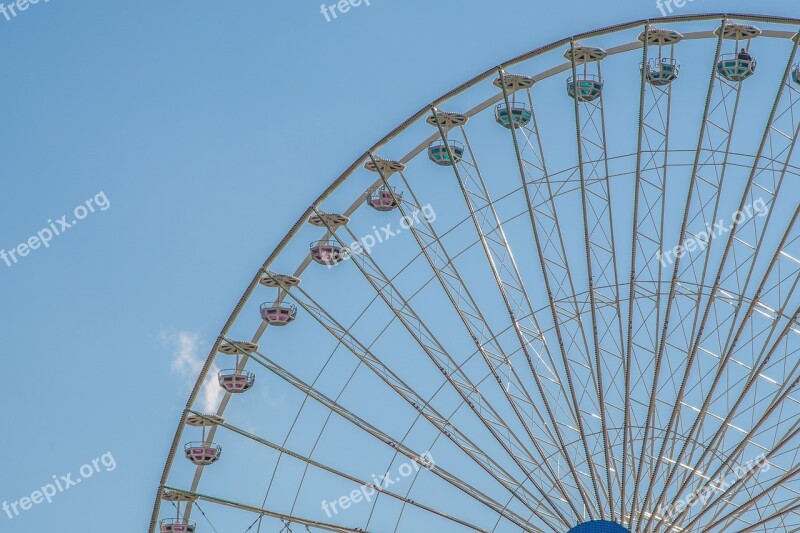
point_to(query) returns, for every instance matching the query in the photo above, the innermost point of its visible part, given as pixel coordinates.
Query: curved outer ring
(361, 160)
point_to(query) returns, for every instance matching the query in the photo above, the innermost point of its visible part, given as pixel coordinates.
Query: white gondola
(278, 315)
(327, 252)
(384, 198)
(736, 67)
(236, 381)
(740, 65)
(520, 115)
(585, 87)
(203, 453)
(177, 525)
(662, 72)
(438, 152)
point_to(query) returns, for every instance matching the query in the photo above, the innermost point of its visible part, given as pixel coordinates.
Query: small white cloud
(188, 358)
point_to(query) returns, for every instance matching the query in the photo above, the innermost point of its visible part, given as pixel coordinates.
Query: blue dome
(599, 526)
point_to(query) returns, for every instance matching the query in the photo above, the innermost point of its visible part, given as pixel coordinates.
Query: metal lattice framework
(585, 310)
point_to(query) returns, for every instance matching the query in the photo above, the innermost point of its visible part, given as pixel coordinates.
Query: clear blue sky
(208, 127)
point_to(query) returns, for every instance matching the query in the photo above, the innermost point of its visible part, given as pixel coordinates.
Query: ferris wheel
(563, 297)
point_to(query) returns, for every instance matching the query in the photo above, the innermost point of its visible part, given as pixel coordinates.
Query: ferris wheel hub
(599, 526)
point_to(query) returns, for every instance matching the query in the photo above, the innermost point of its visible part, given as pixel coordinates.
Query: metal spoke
(744, 251)
(790, 509)
(469, 392)
(601, 265)
(711, 447)
(739, 510)
(498, 252)
(355, 480)
(264, 512)
(665, 328)
(460, 297)
(393, 443)
(648, 236)
(533, 175)
(786, 390)
(742, 263)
